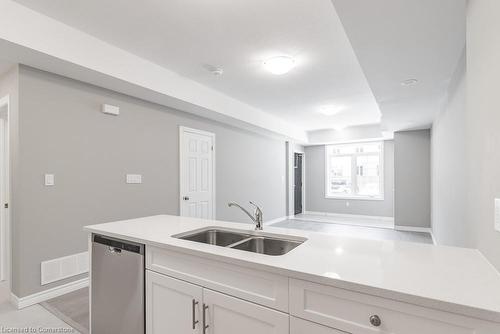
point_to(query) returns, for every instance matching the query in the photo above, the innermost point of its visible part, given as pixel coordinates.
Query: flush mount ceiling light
(409, 82)
(279, 65)
(330, 110)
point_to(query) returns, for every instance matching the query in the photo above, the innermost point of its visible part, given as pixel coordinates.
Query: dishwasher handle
(114, 250)
(117, 246)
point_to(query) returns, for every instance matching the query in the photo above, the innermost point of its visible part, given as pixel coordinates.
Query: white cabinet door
(228, 315)
(172, 306)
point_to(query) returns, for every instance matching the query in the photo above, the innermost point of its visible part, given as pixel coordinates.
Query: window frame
(354, 174)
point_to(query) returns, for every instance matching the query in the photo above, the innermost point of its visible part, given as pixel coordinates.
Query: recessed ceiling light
(279, 65)
(330, 110)
(409, 82)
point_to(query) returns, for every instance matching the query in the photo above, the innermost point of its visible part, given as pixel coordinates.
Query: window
(355, 171)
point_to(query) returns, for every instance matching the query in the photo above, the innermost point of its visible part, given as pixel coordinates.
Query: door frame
(5, 193)
(303, 178)
(182, 131)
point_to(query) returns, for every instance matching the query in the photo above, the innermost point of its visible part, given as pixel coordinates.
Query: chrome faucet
(256, 217)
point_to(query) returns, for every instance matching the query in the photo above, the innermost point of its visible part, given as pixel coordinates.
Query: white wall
(466, 141)
(449, 188)
(353, 133)
(482, 124)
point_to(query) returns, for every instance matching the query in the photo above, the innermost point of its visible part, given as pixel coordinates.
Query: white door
(197, 173)
(172, 306)
(229, 315)
(4, 198)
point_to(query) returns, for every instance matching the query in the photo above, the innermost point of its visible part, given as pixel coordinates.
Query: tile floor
(383, 222)
(355, 231)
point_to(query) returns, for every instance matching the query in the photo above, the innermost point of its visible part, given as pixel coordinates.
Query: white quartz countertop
(452, 279)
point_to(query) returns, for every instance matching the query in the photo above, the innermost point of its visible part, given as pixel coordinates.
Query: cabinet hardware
(186, 198)
(375, 320)
(114, 250)
(194, 313)
(205, 326)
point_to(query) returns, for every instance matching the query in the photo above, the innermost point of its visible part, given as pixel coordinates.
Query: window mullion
(354, 173)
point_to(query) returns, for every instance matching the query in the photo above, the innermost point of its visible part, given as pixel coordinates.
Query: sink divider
(239, 242)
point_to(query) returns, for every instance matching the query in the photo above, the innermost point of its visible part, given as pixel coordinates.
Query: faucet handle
(258, 211)
(256, 206)
(258, 216)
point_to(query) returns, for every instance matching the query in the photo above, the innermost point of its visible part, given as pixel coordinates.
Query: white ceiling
(183, 35)
(353, 55)
(396, 40)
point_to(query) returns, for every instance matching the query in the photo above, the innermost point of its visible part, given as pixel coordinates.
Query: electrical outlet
(497, 214)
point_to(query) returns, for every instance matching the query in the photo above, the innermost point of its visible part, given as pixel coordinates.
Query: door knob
(186, 198)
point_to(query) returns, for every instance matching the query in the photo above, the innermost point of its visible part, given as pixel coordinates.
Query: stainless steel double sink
(256, 241)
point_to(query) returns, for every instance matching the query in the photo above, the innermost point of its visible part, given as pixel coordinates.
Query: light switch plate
(134, 178)
(49, 180)
(497, 214)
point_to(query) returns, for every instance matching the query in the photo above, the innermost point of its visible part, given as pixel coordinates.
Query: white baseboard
(22, 302)
(276, 220)
(346, 215)
(413, 229)
(417, 229)
(433, 239)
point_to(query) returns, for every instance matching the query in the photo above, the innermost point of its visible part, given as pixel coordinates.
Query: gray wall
(448, 143)
(412, 181)
(63, 132)
(315, 187)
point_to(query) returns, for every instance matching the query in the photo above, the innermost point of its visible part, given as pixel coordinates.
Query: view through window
(354, 170)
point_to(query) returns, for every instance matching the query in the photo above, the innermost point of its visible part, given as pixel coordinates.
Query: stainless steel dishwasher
(117, 286)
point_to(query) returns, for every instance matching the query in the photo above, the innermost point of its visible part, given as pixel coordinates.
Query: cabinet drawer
(260, 287)
(299, 326)
(351, 312)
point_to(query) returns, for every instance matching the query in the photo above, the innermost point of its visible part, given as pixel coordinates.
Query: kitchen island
(328, 284)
